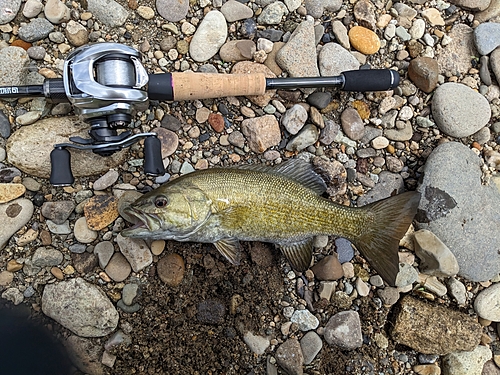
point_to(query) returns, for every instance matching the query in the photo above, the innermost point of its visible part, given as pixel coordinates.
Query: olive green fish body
(281, 205)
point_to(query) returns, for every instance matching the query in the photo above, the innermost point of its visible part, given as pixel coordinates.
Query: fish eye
(161, 202)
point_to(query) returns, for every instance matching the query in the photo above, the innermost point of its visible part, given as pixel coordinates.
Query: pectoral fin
(299, 254)
(231, 249)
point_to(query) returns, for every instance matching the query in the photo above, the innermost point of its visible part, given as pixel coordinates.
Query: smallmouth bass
(280, 204)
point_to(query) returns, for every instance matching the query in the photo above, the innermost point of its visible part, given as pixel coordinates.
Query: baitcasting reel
(106, 83)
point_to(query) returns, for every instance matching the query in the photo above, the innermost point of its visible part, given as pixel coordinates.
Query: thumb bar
(191, 86)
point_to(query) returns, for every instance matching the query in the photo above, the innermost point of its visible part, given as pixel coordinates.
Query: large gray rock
(462, 212)
(13, 216)
(298, 55)
(458, 110)
(109, 12)
(454, 59)
(13, 66)
(8, 10)
(81, 307)
(29, 148)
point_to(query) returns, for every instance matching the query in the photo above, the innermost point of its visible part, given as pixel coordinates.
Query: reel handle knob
(60, 172)
(153, 163)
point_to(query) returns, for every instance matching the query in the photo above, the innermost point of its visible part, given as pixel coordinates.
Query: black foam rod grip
(153, 163)
(60, 163)
(370, 80)
(160, 87)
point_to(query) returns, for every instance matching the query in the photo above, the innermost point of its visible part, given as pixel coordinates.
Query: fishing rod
(106, 83)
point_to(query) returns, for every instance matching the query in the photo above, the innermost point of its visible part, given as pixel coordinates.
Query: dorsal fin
(295, 169)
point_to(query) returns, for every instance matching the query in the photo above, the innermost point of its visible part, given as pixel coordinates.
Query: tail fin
(391, 218)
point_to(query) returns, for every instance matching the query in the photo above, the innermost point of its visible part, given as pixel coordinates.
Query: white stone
(256, 343)
(305, 320)
(487, 303)
(436, 258)
(210, 36)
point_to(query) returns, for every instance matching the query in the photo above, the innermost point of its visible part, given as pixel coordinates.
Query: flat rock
(467, 362)
(104, 251)
(80, 307)
(257, 344)
(334, 59)
(29, 148)
(109, 12)
(105, 181)
(209, 37)
(432, 329)
(36, 29)
(487, 304)
(136, 251)
(13, 216)
(235, 11)
(8, 10)
(289, 357)
(101, 211)
(261, 132)
(305, 320)
(82, 231)
(486, 37)
(344, 330)
(311, 345)
(298, 55)
(466, 223)
(13, 71)
(436, 257)
(424, 71)
(46, 257)
(9, 192)
(118, 268)
(454, 59)
(458, 110)
(172, 10)
(171, 269)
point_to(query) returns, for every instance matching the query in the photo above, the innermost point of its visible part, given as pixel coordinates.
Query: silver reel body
(105, 78)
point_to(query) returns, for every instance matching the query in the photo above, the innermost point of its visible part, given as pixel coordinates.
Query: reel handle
(60, 171)
(153, 163)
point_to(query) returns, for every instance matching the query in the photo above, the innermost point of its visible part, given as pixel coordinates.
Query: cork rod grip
(191, 86)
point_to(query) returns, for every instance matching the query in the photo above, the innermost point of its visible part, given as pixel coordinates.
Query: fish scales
(281, 209)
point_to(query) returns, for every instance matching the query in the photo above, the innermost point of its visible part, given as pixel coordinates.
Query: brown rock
(169, 141)
(271, 59)
(100, 211)
(118, 268)
(21, 43)
(424, 71)
(433, 329)
(261, 132)
(328, 268)
(216, 121)
(364, 40)
(45, 237)
(171, 269)
(57, 273)
(13, 266)
(84, 262)
(9, 192)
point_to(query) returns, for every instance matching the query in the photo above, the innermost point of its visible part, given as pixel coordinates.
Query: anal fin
(231, 249)
(299, 254)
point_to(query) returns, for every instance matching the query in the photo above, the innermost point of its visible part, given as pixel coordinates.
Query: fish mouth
(142, 222)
